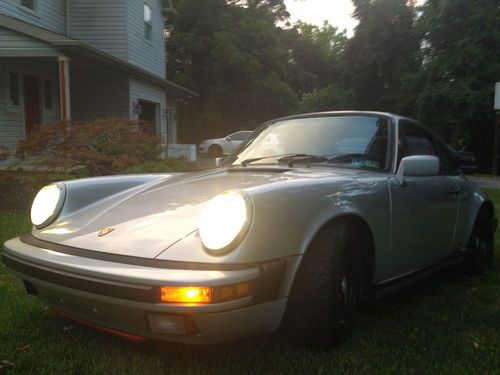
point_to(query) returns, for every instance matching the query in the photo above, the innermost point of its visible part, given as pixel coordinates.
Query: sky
(337, 12)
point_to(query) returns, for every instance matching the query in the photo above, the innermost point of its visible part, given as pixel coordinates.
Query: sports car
(309, 217)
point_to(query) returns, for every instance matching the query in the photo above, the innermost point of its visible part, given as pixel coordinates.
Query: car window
(448, 165)
(413, 140)
(240, 136)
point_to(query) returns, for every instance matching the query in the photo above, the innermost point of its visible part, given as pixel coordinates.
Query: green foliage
(381, 54)
(456, 83)
(164, 166)
(18, 189)
(234, 58)
(331, 98)
(104, 146)
(437, 63)
(316, 55)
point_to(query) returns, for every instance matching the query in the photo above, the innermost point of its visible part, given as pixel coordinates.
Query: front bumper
(124, 297)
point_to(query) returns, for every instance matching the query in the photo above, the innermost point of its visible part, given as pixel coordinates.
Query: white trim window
(28, 4)
(148, 22)
(14, 92)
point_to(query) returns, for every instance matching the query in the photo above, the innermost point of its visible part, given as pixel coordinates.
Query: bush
(4, 152)
(18, 189)
(164, 166)
(104, 146)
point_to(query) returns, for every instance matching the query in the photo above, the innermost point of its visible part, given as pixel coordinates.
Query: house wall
(102, 24)
(12, 127)
(117, 27)
(97, 95)
(16, 44)
(11, 119)
(143, 91)
(49, 14)
(148, 55)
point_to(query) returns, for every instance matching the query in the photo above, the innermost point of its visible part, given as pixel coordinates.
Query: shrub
(164, 166)
(4, 152)
(18, 189)
(104, 146)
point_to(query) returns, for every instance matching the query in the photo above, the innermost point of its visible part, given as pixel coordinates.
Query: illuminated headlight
(47, 205)
(224, 221)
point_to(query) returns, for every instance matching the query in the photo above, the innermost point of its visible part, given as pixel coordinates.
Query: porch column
(64, 89)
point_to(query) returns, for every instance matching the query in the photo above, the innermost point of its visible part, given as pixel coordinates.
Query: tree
(460, 67)
(315, 56)
(231, 54)
(382, 55)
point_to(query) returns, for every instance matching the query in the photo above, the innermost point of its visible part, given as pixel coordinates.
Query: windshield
(353, 141)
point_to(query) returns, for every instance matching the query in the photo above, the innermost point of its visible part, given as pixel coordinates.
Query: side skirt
(388, 286)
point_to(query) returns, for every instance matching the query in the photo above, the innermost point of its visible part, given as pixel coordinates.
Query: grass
(448, 324)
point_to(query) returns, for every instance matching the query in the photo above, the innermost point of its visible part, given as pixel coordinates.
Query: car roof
(348, 112)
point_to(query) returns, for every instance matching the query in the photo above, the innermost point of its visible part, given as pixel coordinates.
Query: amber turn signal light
(186, 294)
(205, 294)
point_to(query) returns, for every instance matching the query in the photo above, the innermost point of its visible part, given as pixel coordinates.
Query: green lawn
(447, 324)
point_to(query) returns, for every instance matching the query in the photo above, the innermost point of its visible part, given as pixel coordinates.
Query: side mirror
(229, 138)
(218, 162)
(417, 165)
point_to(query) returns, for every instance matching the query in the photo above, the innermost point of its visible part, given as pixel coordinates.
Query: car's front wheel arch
(333, 277)
(367, 255)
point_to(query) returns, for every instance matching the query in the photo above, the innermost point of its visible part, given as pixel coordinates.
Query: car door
(424, 208)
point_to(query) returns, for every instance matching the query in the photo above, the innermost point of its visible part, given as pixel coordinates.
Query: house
(84, 59)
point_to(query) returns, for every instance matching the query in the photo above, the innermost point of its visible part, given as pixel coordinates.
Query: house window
(148, 25)
(14, 89)
(47, 95)
(30, 4)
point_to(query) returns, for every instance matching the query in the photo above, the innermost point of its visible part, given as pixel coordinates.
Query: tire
(326, 289)
(480, 248)
(215, 151)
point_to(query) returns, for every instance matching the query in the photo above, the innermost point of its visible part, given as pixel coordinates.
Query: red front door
(31, 103)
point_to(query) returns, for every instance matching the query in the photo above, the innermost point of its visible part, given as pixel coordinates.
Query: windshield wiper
(245, 162)
(287, 158)
(345, 157)
(303, 158)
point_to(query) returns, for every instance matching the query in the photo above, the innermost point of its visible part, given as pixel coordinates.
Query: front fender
(284, 223)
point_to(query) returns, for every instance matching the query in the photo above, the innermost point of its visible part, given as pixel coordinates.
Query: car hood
(144, 223)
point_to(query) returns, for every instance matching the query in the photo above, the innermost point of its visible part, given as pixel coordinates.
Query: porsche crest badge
(105, 231)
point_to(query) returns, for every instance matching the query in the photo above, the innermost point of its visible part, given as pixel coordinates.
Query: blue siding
(12, 118)
(16, 42)
(11, 121)
(49, 14)
(148, 55)
(101, 24)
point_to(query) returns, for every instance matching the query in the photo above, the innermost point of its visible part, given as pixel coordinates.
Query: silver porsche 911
(307, 218)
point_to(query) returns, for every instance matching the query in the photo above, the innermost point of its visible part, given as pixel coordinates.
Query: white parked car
(223, 146)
